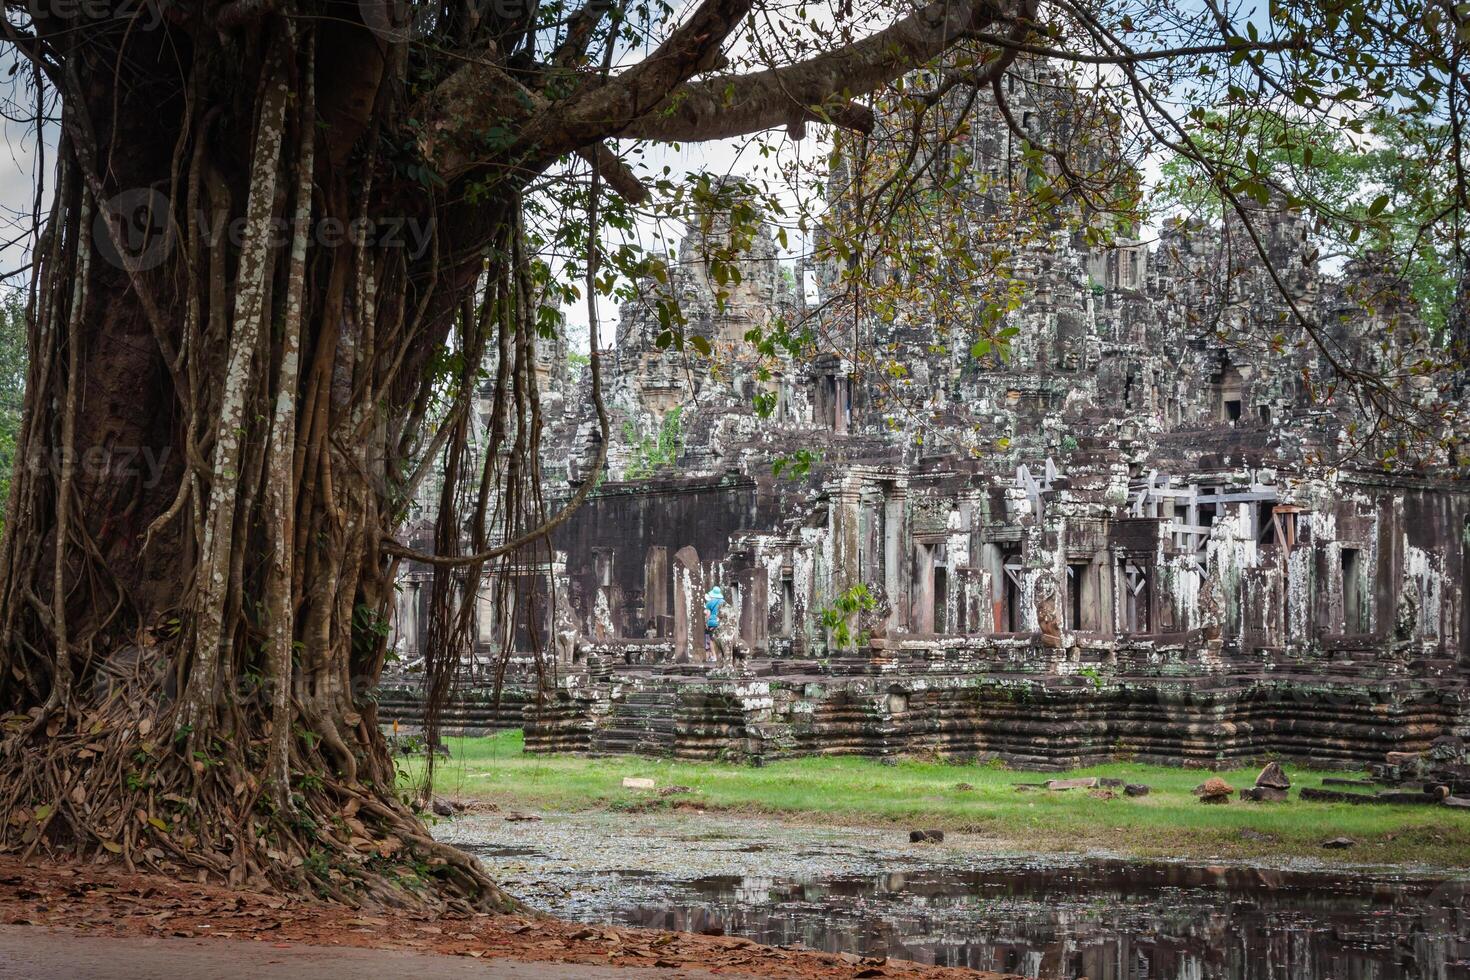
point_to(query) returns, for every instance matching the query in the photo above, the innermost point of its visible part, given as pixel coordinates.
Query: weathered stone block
(1274, 777)
(1083, 783)
(1214, 790)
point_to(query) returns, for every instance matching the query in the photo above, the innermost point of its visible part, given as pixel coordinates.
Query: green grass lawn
(848, 790)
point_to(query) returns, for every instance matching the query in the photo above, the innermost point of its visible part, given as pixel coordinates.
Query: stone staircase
(640, 722)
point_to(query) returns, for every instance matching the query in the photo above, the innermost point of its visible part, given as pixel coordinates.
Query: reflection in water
(1096, 919)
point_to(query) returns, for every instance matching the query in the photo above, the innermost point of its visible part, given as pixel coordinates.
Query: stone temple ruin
(1133, 536)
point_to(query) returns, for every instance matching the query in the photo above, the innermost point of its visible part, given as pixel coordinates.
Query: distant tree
(1368, 188)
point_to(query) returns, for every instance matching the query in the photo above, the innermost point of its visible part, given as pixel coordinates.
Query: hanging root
(186, 675)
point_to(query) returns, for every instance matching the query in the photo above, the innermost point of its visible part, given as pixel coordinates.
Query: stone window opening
(1008, 609)
(1265, 528)
(1135, 599)
(1075, 575)
(941, 599)
(1082, 598)
(1350, 561)
(1275, 524)
(928, 582)
(788, 605)
(834, 401)
(1228, 392)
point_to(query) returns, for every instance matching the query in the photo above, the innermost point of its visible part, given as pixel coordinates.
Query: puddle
(870, 892)
(490, 852)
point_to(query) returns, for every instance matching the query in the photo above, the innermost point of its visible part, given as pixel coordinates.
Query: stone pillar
(845, 524)
(1048, 616)
(923, 619)
(755, 608)
(688, 606)
(406, 639)
(895, 550)
(656, 591)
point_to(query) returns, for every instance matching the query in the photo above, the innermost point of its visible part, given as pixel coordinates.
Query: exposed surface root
(112, 786)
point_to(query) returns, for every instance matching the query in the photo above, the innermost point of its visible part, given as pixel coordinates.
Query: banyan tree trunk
(237, 305)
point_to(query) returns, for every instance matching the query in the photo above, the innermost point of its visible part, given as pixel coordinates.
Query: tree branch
(815, 89)
(652, 100)
(619, 175)
(693, 47)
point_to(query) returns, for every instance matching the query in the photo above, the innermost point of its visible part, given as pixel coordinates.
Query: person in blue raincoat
(713, 600)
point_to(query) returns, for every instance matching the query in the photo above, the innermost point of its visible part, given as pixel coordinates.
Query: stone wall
(1342, 720)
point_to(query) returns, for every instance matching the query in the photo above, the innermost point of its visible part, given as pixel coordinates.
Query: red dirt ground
(105, 901)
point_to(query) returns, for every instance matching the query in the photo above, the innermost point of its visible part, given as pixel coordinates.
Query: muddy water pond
(961, 903)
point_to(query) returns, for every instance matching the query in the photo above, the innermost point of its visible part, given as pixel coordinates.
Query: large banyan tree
(279, 244)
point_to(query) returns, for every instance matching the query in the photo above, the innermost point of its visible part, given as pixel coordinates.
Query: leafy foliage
(1369, 188)
(841, 615)
(658, 450)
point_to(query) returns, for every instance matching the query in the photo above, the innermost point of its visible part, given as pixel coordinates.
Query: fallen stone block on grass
(1336, 796)
(638, 782)
(1264, 794)
(1419, 798)
(1136, 789)
(1086, 782)
(1338, 843)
